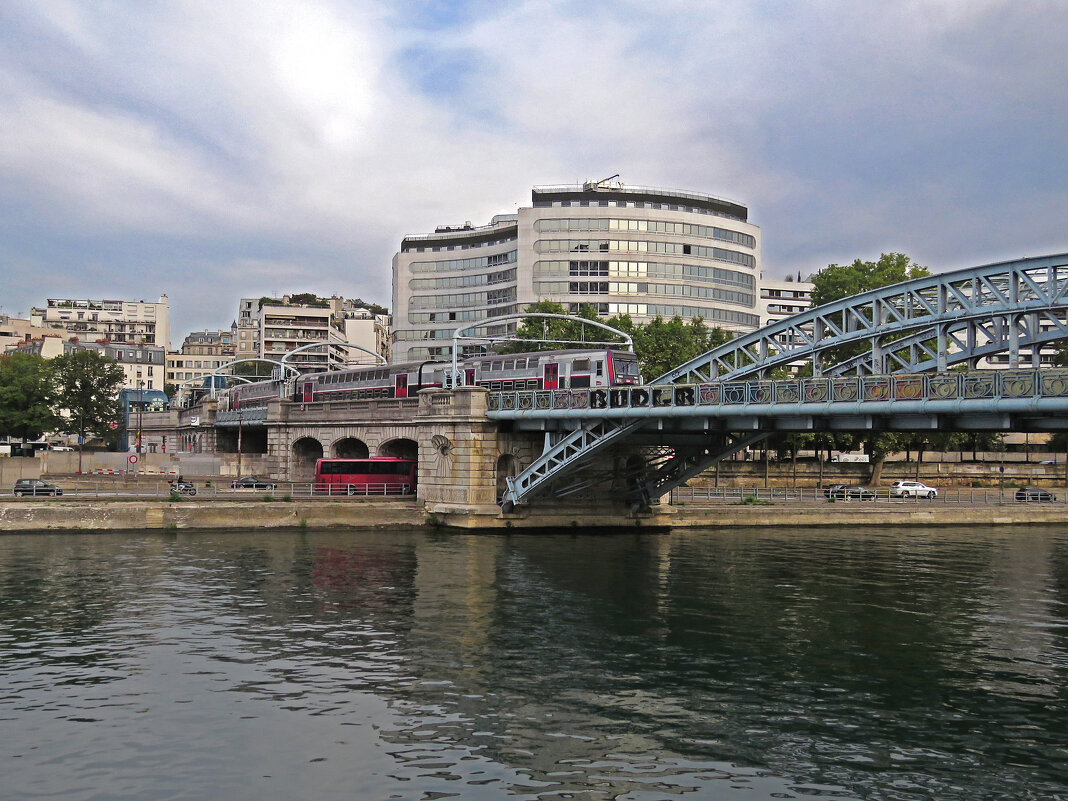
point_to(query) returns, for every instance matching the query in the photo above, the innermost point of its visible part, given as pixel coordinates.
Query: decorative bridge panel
(856, 390)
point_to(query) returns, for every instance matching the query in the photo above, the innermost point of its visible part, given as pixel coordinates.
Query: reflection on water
(359, 665)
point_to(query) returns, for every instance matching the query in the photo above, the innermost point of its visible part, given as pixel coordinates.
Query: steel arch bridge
(927, 325)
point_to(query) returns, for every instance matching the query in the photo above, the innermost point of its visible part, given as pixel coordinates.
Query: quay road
(682, 496)
(205, 490)
(964, 496)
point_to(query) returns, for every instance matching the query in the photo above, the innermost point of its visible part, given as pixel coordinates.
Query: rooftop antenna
(588, 185)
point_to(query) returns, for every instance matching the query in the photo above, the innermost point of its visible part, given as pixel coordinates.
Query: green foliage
(26, 397)
(750, 500)
(661, 346)
(374, 308)
(300, 299)
(314, 301)
(1060, 356)
(170, 390)
(256, 369)
(174, 497)
(838, 281)
(87, 387)
(559, 333)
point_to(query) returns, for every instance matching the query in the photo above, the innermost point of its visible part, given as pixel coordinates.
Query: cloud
(214, 151)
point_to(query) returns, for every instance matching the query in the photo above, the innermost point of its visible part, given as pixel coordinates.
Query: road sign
(133, 458)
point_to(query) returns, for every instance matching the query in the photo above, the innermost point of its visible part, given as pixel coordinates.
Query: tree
(170, 390)
(254, 369)
(561, 333)
(662, 346)
(836, 282)
(26, 397)
(87, 386)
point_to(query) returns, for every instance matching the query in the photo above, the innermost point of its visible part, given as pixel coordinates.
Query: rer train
(550, 369)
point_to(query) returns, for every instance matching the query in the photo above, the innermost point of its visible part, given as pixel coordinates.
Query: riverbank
(121, 515)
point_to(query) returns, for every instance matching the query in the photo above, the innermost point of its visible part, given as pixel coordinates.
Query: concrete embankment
(124, 515)
(117, 515)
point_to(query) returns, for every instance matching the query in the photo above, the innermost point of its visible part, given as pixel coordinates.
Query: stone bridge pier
(464, 458)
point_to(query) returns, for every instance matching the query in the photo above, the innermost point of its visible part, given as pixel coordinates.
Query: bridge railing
(711, 496)
(970, 385)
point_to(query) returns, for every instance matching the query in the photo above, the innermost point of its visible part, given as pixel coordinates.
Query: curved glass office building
(623, 249)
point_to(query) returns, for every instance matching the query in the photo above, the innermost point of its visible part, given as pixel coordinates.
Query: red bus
(382, 475)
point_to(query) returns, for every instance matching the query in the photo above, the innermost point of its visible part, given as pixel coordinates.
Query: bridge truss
(928, 324)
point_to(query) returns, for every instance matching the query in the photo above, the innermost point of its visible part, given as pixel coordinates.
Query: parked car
(251, 482)
(831, 489)
(912, 489)
(1035, 494)
(851, 493)
(35, 486)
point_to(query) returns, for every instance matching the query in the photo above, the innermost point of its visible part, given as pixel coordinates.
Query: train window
(600, 367)
(520, 364)
(532, 361)
(495, 366)
(580, 364)
(532, 383)
(580, 381)
(495, 385)
(509, 364)
(507, 385)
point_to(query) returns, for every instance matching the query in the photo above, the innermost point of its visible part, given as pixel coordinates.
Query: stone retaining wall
(116, 515)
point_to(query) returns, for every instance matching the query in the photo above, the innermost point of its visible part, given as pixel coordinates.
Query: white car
(912, 489)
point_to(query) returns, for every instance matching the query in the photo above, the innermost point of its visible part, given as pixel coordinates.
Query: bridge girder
(957, 316)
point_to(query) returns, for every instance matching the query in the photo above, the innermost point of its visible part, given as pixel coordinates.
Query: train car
(553, 369)
(365, 383)
(251, 396)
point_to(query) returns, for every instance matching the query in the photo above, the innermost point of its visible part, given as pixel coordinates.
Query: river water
(742, 664)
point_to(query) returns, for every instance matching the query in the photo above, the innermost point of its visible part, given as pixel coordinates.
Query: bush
(267, 498)
(174, 496)
(287, 498)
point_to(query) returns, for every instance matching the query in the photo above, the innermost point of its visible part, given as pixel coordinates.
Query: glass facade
(642, 246)
(651, 254)
(650, 226)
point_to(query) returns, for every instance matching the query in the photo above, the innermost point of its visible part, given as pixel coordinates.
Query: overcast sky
(211, 149)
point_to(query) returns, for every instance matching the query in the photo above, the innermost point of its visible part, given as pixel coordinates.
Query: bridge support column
(458, 452)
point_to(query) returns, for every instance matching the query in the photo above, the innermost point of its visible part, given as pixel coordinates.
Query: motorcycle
(183, 487)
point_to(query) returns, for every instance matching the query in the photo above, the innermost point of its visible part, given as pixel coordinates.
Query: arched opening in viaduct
(306, 451)
(507, 467)
(350, 448)
(400, 448)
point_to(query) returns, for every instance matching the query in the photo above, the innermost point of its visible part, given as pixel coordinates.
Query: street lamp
(140, 415)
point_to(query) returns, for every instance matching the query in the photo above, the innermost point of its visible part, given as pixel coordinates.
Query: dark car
(35, 486)
(251, 482)
(832, 489)
(1036, 495)
(853, 493)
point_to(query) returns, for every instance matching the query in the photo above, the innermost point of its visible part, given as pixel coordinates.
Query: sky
(216, 150)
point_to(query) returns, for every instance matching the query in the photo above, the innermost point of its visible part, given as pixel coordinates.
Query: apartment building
(314, 330)
(118, 321)
(202, 353)
(622, 249)
(16, 330)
